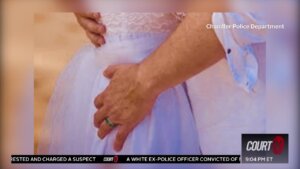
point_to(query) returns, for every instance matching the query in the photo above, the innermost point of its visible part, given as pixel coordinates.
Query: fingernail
(101, 136)
(96, 15)
(101, 42)
(117, 148)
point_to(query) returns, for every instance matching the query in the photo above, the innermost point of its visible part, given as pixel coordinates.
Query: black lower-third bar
(125, 159)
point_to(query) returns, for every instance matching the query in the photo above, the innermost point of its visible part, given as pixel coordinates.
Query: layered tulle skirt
(168, 129)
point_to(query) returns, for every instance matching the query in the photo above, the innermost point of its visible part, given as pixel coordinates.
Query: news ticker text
(125, 159)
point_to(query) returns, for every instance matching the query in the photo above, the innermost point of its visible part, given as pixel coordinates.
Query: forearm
(189, 50)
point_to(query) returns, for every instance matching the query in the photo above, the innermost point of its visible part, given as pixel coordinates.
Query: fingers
(104, 129)
(92, 26)
(121, 137)
(96, 39)
(100, 116)
(110, 71)
(91, 15)
(94, 30)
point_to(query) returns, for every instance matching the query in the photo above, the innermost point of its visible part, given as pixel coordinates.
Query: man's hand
(94, 30)
(125, 102)
(133, 88)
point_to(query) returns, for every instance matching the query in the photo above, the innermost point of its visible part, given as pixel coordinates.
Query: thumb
(110, 71)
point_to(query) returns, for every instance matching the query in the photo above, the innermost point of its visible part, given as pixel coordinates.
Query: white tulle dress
(69, 129)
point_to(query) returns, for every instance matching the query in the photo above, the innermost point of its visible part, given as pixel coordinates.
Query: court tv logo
(265, 148)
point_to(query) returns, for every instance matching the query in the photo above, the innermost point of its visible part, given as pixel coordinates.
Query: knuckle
(96, 119)
(96, 116)
(106, 100)
(126, 117)
(104, 111)
(121, 118)
(96, 100)
(113, 117)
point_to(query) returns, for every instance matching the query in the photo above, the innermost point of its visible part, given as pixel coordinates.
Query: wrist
(148, 80)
